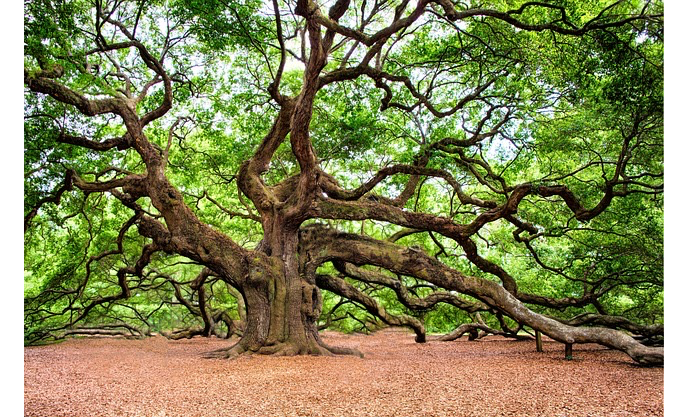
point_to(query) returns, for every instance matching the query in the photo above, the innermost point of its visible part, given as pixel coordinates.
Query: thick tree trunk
(282, 307)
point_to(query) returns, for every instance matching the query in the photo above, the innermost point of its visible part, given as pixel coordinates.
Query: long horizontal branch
(328, 208)
(561, 25)
(121, 143)
(413, 303)
(122, 329)
(360, 210)
(615, 322)
(132, 181)
(90, 107)
(324, 245)
(334, 191)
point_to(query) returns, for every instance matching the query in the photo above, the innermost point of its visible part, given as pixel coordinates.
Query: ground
(397, 377)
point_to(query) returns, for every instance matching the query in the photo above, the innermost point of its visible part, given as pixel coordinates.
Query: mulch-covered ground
(397, 377)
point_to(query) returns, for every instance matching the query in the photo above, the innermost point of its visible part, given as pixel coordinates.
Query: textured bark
(114, 330)
(281, 313)
(282, 302)
(413, 303)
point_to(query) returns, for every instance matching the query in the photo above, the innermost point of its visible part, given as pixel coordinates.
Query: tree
(501, 157)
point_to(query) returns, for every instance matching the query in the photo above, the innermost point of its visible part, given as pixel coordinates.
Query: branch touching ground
(362, 250)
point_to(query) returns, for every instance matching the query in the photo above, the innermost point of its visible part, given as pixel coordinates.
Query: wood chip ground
(397, 377)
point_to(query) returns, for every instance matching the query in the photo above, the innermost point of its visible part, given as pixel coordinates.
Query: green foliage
(564, 109)
(221, 25)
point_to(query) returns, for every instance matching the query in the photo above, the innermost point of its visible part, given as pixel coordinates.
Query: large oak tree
(501, 157)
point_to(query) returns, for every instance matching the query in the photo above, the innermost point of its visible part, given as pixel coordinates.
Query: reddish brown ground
(397, 377)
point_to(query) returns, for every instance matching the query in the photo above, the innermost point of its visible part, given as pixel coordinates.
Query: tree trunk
(282, 306)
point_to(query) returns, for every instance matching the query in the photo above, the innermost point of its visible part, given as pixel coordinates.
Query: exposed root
(231, 352)
(281, 349)
(338, 350)
(316, 348)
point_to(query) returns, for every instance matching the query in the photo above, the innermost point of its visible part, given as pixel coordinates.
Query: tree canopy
(272, 168)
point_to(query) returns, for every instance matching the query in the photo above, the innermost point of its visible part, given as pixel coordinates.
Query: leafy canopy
(477, 103)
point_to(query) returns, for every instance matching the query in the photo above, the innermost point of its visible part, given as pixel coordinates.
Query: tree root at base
(281, 349)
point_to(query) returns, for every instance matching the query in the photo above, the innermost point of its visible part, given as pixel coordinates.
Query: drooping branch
(473, 330)
(216, 251)
(79, 313)
(324, 245)
(329, 315)
(344, 289)
(413, 303)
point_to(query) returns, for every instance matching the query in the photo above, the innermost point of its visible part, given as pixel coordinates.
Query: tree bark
(282, 305)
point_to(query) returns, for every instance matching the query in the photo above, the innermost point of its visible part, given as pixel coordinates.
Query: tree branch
(344, 289)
